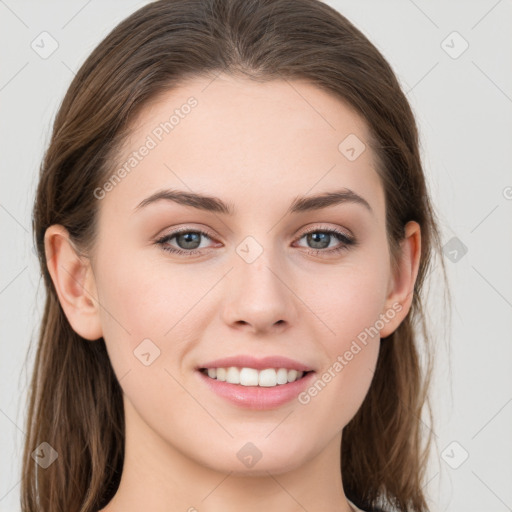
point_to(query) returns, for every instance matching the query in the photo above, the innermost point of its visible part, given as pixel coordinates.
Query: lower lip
(256, 397)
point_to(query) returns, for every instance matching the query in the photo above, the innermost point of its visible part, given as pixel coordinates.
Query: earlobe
(401, 290)
(74, 282)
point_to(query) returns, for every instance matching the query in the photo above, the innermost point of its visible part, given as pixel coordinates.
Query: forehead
(228, 136)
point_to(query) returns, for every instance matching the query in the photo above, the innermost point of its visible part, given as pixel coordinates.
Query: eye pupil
(319, 237)
(189, 238)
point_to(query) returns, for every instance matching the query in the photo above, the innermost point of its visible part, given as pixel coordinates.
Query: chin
(253, 459)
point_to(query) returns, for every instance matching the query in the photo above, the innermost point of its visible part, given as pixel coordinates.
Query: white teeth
(282, 376)
(292, 375)
(233, 375)
(248, 377)
(268, 377)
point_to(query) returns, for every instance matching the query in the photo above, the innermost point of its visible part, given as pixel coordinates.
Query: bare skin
(257, 147)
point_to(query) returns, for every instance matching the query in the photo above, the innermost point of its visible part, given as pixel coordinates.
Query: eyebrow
(216, 205)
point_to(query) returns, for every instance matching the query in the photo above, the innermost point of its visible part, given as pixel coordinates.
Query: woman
(234, 230)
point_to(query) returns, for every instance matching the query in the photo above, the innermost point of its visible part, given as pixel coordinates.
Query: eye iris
(189, 240)
(319, 237)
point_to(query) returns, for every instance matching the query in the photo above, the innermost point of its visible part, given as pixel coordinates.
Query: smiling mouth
(269, 377)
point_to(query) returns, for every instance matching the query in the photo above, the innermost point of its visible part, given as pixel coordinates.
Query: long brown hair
(75, 400)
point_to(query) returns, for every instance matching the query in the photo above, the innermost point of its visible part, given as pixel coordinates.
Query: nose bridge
(258, 268)
(257, 292)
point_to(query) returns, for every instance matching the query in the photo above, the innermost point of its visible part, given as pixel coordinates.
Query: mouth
(252, 377)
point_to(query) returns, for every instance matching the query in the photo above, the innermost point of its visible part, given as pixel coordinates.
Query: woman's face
(270, 279)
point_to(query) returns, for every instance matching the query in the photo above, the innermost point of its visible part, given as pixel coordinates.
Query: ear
(74, 282)
(401, 282)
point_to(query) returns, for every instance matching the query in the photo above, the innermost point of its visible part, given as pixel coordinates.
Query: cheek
(346, 300)
(342, 383)
(349, 303)
(143, 299)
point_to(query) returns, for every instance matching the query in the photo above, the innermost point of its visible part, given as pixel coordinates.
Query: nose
(259, 297)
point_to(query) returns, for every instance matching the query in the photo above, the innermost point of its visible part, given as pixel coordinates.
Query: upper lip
(247, 361)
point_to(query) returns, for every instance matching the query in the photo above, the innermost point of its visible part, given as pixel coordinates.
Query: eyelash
(346, 241)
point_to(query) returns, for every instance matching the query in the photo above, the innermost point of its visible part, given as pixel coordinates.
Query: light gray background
(464, 110)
